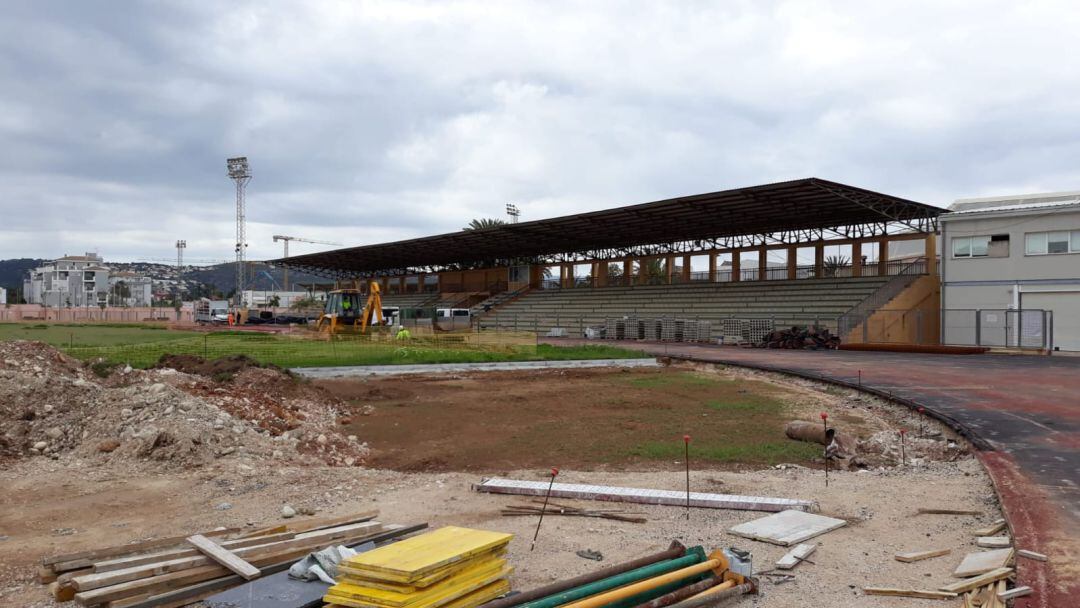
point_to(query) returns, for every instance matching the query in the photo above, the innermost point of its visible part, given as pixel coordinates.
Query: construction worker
(402, 333)
(346, 305)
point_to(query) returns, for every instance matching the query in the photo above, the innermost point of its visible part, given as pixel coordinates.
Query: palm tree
(484, 223)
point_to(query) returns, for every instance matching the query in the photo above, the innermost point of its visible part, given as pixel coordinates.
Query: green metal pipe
(694, 555)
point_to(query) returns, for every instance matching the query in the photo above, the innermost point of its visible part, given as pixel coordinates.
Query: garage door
(1066, 307)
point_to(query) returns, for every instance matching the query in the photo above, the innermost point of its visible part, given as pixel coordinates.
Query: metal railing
(906, 273)
(998, 328)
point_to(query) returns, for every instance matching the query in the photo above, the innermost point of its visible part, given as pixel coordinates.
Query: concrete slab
(444, 368)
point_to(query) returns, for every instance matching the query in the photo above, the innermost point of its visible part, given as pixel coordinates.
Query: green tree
(484, 223)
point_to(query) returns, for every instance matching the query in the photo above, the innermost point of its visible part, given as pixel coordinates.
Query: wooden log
(974, 583)
(919, 593)
(114, 577)
(224, 557)
(918, 556)
(149, 558)
(46, 575)
(136, 547)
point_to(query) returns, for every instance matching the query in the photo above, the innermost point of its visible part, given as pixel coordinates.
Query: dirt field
(606, 419)
(463, 428)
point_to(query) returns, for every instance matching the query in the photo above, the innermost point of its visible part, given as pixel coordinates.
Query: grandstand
(808, 251)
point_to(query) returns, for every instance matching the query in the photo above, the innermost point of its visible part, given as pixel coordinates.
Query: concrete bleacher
(798, 302)
(412, 300)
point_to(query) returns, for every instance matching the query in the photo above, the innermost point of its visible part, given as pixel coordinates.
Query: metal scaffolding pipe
(676, 549)
(711, 599)
(695, 555)
(643, 586)
(681, 594)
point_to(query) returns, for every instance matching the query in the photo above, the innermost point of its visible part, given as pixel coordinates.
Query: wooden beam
(1039, 557)
(918, 556)
(935, 511)
(974, 583)
(919, 593)
(224, 557)
(1014, 593)
(993, 542)
(145, 545)
(148, 558)
(992, 529)
(796, 556)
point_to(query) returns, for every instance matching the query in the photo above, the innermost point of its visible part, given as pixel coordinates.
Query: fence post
(205, 346)
(978, 327)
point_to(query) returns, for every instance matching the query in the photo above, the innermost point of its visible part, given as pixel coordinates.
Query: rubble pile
(55, 406)
(801, 338)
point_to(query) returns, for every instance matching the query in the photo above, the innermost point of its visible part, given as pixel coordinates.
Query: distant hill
(12, 272)
(222, 277)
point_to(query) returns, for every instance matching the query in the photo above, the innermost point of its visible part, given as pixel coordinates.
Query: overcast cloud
(373, 121)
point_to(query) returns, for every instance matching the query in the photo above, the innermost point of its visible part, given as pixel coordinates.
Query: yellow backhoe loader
(344, 313)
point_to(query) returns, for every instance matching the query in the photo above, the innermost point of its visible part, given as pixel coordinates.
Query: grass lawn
(142, 346)
(67, 335)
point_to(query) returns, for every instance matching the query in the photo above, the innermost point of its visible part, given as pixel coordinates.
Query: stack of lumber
(568, 510)
(179, 570)
(808, 338)
(451, 567)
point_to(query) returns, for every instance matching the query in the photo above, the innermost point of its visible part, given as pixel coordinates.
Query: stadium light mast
(513, 211)
(240, 172)
(181, 245)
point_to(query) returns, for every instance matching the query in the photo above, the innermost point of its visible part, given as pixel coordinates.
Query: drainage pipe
(695, 555)
(675, 550)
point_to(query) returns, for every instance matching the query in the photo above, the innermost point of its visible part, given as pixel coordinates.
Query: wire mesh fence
(322, 350)
(999, 328)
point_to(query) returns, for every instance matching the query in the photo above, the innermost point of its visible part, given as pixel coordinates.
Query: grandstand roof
(794, 211)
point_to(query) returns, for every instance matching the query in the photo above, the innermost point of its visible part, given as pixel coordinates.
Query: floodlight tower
(239, 172)
(180, 247)
(513, 211)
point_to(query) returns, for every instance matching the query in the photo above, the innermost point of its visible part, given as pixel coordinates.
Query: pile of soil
(54, 406)
(222, 368)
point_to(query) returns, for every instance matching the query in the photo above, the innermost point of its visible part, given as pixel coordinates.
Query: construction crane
(286, 239)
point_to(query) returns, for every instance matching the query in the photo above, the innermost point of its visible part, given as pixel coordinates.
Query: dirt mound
(54, 406)
(222, 368)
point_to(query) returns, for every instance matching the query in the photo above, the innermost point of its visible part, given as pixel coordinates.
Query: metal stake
(825, 423)
(554, 472)
(686, 444)
(903, 451)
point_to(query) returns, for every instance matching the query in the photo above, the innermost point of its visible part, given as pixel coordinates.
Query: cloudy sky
(372, 121)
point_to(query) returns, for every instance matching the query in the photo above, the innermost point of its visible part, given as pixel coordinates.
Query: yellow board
(360, 589)
(360, 577)
(476, 598)
(414, 558)
(435, 596)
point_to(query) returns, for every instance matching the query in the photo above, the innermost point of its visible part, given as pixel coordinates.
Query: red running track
(1023, 412)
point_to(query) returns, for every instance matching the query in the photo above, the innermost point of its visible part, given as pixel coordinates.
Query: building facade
(3, 296)
(1005, 255)
(83, 281)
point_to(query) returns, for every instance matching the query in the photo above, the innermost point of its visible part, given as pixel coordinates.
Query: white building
(1004, 255)
(285, 299)
(80, 281)
(3, 296)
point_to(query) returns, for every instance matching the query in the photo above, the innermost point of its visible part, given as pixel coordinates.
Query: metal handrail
(905, 276)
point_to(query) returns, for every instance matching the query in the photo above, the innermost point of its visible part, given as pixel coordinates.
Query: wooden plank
(224, 557)
(170, 581)
(1039, 557)
(992, 529)
(149, 558)
(317, 538)
(974, 583)
(641, 496)
(796, 556)
(1014, 593)
(191, 593)
(981, 562)
(919, 593)
(136, 547)
(787, 527)
(993, 542)
(321, 523)
(918, 556)
(935, 511)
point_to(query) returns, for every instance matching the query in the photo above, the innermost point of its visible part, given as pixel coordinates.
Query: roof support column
(600, 278)
(736, 266)
(883, 258)
(931, 254)
(763, 264)
(669, 264)
(792, 262)
(627, 271)
(712, 266)
(686, 269)
(819, 260)
(856, 259)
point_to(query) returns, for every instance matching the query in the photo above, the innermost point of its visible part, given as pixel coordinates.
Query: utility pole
(240, 172)
(286, 239)
(178, 298)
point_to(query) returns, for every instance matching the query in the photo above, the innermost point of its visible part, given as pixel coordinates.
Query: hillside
(13, 271)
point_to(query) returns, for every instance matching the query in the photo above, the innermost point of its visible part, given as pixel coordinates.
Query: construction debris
(919, 593)
(982, 562)
(993, 542)
(787, 528)
(796, 556)
(558, 509)
(992, 529)
(813, 337)
(452, 565)
(1014, 593)
(196, 566)
(1039, 557)
(936, 511)
(918, 556)
(974, 583)
(676, 498)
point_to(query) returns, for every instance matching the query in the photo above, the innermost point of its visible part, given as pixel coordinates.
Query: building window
(1049, 243)
(971, 246)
